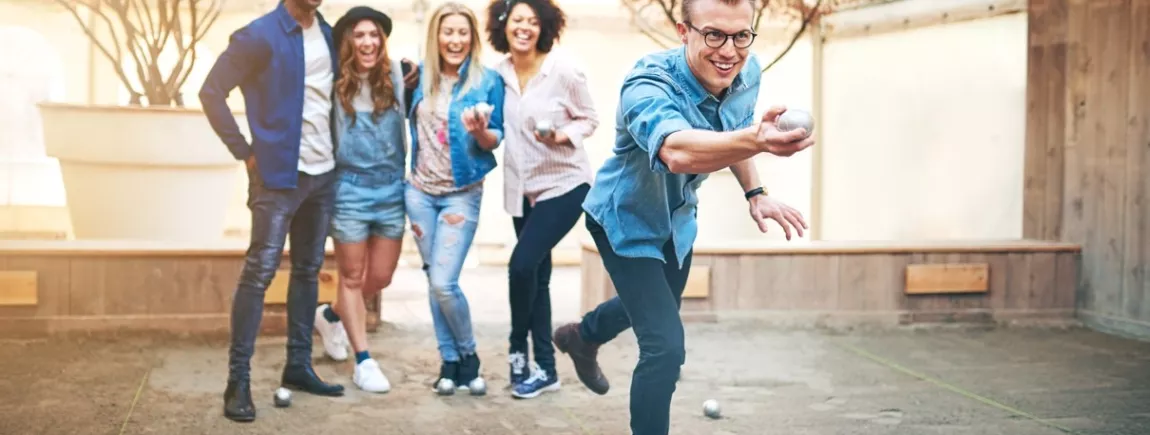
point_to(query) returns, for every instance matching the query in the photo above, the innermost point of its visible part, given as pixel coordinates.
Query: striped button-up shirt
(534, 170)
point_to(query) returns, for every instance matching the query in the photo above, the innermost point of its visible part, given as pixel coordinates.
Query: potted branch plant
(151, 169)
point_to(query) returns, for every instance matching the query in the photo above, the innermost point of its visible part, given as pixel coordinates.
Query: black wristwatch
(755, 192)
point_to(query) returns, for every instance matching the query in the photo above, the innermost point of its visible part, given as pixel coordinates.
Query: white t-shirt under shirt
(316, 153)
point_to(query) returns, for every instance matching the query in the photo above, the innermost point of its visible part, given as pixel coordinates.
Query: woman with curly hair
(548, 113)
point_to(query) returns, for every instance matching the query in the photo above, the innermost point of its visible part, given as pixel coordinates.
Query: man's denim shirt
(469, 162)
(638, 201)
(265, 60)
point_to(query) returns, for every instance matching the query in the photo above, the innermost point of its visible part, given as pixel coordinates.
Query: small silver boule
(477, 387)
(711, 408)
(484, 108)
(544, 128)
(282, 397)
(445, 387)
(794, 119)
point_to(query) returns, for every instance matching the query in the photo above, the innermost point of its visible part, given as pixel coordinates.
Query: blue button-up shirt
(265, 60)
(638, 201)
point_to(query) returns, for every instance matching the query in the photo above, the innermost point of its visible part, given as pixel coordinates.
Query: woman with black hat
(369, 218)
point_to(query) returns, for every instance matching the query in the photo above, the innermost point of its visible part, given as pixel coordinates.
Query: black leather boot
(238, 404)
(303, 378)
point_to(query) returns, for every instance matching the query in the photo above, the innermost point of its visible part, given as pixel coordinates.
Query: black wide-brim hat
(354, 16)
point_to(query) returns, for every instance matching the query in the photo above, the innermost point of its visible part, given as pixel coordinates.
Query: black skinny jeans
(650, 293)
(301, 214)
(538, 231)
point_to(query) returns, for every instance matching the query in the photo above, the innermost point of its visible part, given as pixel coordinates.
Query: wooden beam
(947, 278)
(817, 34)
(915, 14)
(868, 247)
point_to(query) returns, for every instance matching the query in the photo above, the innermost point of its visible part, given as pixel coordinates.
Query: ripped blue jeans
(444, 227)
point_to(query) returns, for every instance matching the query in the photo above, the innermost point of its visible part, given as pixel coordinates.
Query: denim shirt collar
(288, 22)
(695, 91)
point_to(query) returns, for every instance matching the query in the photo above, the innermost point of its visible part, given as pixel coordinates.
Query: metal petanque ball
(544, 128)
(794, 119)
(445, 387)
(484, 108)
(477, 387)
(711, 408)
(282, 397)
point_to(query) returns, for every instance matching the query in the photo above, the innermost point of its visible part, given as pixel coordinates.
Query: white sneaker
(334, 337)
(368, 377)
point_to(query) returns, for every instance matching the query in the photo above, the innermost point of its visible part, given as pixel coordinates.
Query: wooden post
(816, 219)
(374, 317)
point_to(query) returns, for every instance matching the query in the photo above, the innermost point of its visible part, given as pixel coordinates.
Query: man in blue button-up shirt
(683, 113)
(285, 66)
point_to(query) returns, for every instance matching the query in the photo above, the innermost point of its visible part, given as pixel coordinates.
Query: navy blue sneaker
(537, 384)
(518, 367)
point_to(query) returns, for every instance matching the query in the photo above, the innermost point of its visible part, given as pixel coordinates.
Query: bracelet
(756, 191)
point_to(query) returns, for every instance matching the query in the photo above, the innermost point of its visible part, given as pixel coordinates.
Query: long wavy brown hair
(378, 77)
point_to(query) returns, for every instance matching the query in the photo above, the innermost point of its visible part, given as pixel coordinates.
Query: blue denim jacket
(265, 60)
(469, 162)
(638, 201)
(373, 148)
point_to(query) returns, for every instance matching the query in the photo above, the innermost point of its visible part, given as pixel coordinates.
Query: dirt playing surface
(767, 381)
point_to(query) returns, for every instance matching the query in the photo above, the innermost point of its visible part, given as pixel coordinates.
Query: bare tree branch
(144, 28)
(73, 8)
(651, 32)
(782, 12)
(810, 15)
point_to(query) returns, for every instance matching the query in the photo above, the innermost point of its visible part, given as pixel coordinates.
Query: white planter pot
(140, 173)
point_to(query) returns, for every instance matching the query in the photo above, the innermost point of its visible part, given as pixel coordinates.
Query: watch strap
(755, 192)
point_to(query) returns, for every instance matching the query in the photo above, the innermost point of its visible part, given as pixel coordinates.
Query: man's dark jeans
(303, 214)
(529, 285)
(649, 297)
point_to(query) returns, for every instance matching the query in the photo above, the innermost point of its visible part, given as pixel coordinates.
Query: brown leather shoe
(584, 355)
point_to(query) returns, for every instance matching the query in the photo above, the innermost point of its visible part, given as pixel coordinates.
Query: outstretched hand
(778, 142)
(764, 208)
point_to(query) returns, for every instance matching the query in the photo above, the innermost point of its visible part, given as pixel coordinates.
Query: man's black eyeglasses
(716, 39)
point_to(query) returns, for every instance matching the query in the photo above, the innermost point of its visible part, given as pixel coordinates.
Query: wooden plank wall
(1087, 149)
(868, 286)
(172, 292)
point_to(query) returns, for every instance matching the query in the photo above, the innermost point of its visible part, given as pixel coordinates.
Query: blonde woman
(456, 120)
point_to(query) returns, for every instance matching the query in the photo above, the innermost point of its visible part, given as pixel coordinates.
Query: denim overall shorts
(370, 157)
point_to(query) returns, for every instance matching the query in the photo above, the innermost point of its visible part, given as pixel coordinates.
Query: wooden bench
(51, 286)
(855, 283)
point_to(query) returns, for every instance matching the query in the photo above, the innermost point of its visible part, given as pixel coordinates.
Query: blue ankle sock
(361, 356)
(330, 314)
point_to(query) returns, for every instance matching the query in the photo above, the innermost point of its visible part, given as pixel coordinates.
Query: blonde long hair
(432, 70)
(378, 78)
